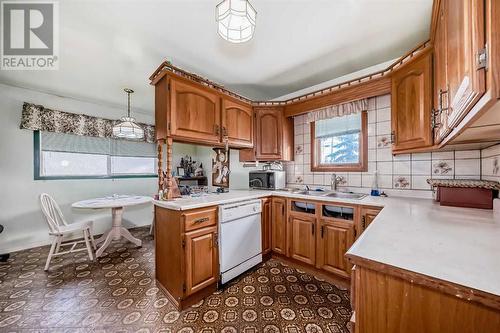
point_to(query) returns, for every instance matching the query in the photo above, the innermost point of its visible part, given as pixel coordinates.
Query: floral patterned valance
(39, 118)
(337, 110)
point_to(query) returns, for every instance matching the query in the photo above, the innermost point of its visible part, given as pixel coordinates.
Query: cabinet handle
(440, 101)
(201, 220)
(393, 137)
(363, 222)
(322, 230)
(217, 129)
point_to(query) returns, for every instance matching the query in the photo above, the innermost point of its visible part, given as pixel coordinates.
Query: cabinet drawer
(200, 218)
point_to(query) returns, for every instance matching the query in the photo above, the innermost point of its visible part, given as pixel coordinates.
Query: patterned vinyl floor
(118, 293)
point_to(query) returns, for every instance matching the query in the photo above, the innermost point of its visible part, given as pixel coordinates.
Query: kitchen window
(67, 156)
(340, 143)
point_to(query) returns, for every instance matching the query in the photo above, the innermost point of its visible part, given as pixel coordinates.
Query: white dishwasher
(240, 243)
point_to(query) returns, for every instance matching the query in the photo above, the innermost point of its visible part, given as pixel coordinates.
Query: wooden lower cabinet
(186, 254)
(334, 239)
(202, 265)
(278, 226)
(266, 218)
(367, 215)
(400, 301)
(303, 239)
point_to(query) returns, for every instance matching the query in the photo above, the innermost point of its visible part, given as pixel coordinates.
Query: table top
(114, 201)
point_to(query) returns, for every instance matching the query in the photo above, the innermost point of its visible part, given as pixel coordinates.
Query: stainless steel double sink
(328, 194)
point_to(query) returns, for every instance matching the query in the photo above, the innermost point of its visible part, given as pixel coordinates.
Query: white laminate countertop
(460, 245)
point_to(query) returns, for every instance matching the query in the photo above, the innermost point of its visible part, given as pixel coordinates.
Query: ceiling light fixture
(127, 128)
(235, 20)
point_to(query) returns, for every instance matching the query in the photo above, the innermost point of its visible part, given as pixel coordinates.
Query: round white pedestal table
(116, 203)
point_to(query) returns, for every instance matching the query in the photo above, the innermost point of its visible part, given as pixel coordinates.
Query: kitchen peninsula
(408, 241)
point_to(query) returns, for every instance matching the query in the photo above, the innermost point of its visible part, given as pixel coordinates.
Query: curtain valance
(38, 118)
(337, 110)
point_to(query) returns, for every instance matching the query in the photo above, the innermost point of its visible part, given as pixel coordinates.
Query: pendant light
(127, 128)
(236, 20)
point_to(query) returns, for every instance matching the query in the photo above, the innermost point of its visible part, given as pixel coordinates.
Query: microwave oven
(267, 179)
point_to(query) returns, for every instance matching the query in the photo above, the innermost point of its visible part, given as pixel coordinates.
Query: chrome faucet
(334, 181)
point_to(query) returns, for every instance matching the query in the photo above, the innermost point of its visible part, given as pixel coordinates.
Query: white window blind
(67, 155)
(337, 126)
(69, 143)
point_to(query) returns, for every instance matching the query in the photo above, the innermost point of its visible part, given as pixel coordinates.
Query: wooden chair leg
(87, 243)
(55, 241)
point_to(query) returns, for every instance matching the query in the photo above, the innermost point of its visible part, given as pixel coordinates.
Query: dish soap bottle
(375, 190)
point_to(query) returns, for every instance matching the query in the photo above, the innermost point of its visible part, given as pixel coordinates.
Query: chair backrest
(52, 212)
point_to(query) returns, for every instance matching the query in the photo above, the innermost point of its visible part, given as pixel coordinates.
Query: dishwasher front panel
(240, 240)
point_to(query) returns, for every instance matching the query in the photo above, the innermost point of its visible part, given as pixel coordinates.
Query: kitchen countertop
(459, 245)
(214, 199)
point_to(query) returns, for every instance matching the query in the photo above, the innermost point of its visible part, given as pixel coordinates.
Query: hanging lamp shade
(236, 20)
(127, 128)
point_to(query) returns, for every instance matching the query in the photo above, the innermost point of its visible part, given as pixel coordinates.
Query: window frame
(37, 164)
(362, 166)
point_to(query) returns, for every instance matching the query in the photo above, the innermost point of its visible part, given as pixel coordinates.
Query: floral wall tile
(383, 141)
(440, 168)
(401, 182)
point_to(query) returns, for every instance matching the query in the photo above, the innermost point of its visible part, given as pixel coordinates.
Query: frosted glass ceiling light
(127, 128)
(235, 20)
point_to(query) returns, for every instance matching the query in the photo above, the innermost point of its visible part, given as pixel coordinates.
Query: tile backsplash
(490, 163)
(396, 173)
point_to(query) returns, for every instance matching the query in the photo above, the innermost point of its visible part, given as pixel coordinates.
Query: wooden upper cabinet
(269, 123)
(334, 239)
(237, 123)
(194, 112)
(440, 83)
(278, 226)
(303, 238)
(460, 80)
(201, 259)
(465, 39)
(411, 105)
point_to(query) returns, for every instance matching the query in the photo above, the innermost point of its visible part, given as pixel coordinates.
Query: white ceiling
(106, 45)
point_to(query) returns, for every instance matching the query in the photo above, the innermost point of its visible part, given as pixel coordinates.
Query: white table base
(116, 232)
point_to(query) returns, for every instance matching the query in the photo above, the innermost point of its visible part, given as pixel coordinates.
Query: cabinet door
(303, 239)
(439, 74)
(278, 226)
(201, 259)
(266, 225)
(334, 240)
(411, 105)
(464, 38)
(237, 123)
(367, 217)
(195, 113)
(269, 135)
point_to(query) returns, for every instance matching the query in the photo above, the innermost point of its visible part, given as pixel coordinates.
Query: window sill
(93, 177)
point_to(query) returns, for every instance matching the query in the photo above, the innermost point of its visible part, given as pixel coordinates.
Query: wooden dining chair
(59, 228)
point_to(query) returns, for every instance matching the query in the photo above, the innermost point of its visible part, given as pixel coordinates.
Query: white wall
(238, 179)
(19, 208)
